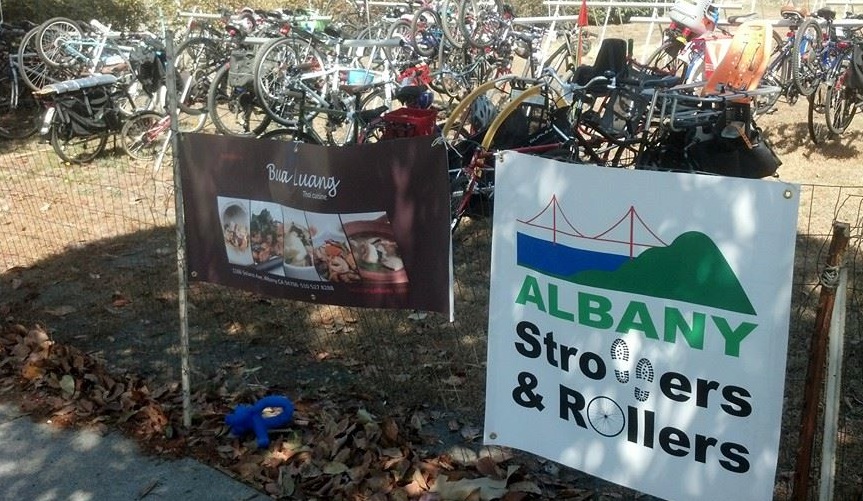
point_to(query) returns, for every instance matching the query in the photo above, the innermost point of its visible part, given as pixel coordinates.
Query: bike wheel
(291, 135)
(235, 111)
(562, 61)
(694, 72)
(664, 59)
(75, 149)
(404, 53)
(777, 75)
(818, 131)
(471, 191)
(196, 62)
(426, 32)
(840, 105)
(53, 35)
(449, 19)
(806, 57)
(20, 112)
(373, 58)
(481, 21)
(274, 85)
(34, 72)
(140, 137)
(342, 132)
(373, 132)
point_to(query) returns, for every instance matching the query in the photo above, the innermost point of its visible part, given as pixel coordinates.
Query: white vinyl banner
(638, 324)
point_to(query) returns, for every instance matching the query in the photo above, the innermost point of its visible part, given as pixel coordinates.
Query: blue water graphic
(560, 260)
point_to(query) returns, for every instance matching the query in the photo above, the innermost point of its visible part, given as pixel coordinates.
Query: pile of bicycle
(465, 70)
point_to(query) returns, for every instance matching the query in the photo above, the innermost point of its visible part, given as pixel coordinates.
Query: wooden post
(817, 353)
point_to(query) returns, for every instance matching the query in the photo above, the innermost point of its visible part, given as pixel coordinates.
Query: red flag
(582, 22)
(582, 14)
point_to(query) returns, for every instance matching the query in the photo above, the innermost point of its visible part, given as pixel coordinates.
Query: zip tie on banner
(829, 277)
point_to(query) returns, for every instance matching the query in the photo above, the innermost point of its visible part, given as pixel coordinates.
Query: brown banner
(364, 225)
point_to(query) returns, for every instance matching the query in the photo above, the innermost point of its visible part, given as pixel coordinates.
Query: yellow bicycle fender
(506, 111)
(464, 103)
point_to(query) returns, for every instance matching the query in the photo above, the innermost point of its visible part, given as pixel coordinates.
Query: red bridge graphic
(622, 232)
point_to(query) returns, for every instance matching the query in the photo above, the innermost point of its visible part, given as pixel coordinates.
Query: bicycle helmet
(425, 99)
(481, 112)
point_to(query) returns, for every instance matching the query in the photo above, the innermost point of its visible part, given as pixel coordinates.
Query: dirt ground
(94, 266)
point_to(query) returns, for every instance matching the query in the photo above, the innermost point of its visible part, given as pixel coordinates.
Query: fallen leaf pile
(331, 451)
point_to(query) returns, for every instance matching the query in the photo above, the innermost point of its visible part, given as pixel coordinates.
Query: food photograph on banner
(641, 330)
(296, 223)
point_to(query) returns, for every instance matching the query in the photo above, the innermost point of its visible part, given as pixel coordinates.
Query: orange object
(745, 61)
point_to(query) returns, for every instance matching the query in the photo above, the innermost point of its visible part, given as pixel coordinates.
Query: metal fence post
(182, 267)
(817, 352)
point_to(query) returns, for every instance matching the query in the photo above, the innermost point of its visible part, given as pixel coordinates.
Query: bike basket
(240, 71)
(88, 112)
(409, 122)
(148, 64)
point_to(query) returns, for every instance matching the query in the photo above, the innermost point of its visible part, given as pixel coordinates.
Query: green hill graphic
(691, 269)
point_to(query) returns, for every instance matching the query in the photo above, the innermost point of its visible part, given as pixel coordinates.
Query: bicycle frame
(91, 50)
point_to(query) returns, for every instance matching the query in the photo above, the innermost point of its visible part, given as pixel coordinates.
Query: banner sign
(638, 324)
(364, 225)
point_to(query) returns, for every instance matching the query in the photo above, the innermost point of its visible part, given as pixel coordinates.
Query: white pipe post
(833, 392)
(182, 266)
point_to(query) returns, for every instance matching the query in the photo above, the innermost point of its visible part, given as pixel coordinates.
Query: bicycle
(233, 103)
(599, 119)
(780, 68)
(20, 113)
(33, 71)
(818, 52)
(566, 57)
(838, 99)
(688, 21)
(63, 43)
(198, 59)
(288, 78)
(81, 114)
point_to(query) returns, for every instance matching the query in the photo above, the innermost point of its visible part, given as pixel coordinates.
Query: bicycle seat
(77, 84)
(792, 12)
(333, 31)
(745, 62)
(610, 61)
(527, 36)
(826, 14)
(652, 82)
(369, 115)
(740, 17)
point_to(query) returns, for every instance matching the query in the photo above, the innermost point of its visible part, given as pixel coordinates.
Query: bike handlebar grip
(99, 26)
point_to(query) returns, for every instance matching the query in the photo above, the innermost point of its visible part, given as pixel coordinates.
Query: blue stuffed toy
(248, 418)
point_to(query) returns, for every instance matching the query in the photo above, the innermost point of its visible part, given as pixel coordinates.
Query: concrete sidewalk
(38, 462)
